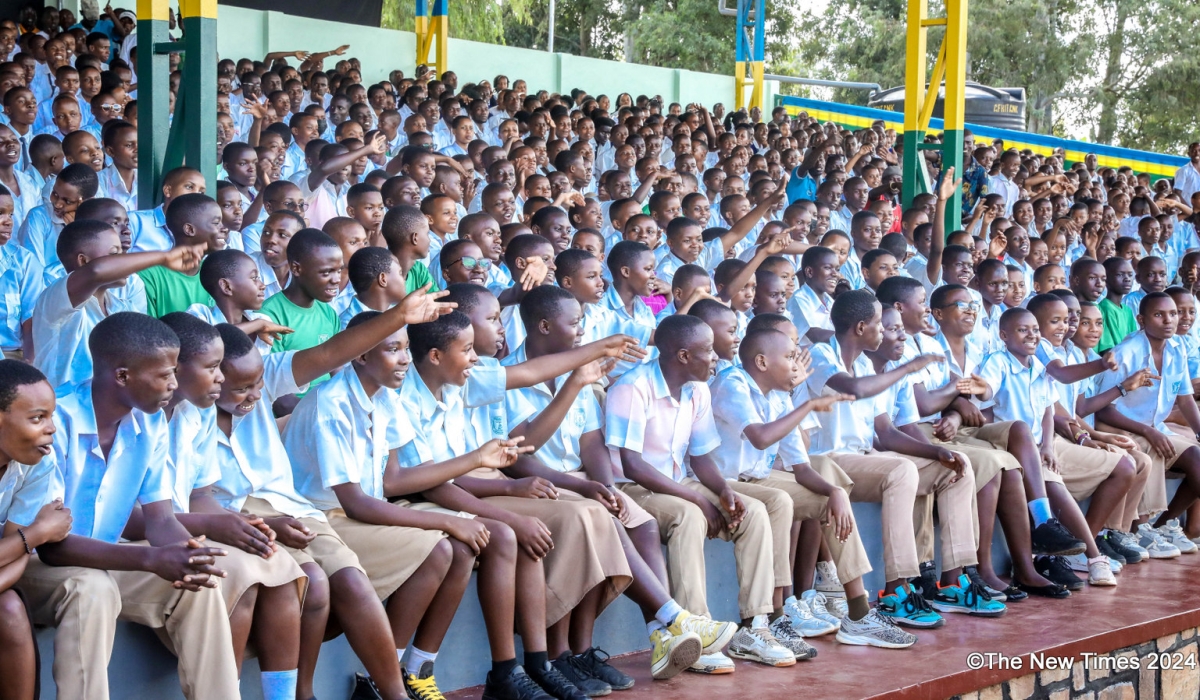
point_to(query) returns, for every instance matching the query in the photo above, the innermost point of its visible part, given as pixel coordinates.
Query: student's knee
(778, 504)
(756, 515)
(95, 589)
(316, 596)
(14, 621)
(502, 541)
(1124, 471)
(903, 478)
(690, 523)
(646, 532)
(460, 552)
(1012, 479)
(439, 558)
(1189, 460)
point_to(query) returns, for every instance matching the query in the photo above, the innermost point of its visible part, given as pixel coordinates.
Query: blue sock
(1039, 508)
(279, 685)
(668, 612)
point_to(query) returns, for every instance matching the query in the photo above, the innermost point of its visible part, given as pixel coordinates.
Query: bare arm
(547, 367)
(326, 168)
(87, 280)
(746, 224)
(933, 268)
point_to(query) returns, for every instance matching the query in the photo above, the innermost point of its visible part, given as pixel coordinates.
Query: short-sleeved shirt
(561, 451)
(60, 330)
(191, 456)
(310, 326)
(1148, 405)
(252, 458)
(986, 334)
(711, 255)
(340, 435)
(1119, 323)
(849, 426)
(1068, 354)
(810, 310)
(899, 401)
(20, 285)
(213, 316)
(642, 416)
(1019, 393)
(852, 271)
(443, 422)
(483, 398)
(741, 403)
(39, 235)
(25, 488)
(101, 492)
(418, 276)
(939, 374)
(148, 229)
(168, 291)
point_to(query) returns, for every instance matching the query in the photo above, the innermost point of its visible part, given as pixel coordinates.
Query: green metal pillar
(154, 71)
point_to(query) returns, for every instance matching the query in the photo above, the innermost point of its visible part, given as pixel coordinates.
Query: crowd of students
(422, 329)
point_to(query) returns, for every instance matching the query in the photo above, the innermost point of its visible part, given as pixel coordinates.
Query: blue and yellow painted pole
(154, 79)
(433, 35)
(751, 48)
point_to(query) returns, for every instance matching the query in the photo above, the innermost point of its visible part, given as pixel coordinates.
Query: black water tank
(1003, 108)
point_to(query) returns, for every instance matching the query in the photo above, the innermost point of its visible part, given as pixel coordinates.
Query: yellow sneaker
(422, 686)
(672, 654)
(713, 635)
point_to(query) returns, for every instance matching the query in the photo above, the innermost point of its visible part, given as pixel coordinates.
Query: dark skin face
(242, 388)
(993, 285)
(558, 231)
(1152, 275)
(1053, 322)
(27, 426)
(385, 365)
(242, 167)
(892, 344)
(1021, 335)
(770, 296)
(148, 382)
(453, 364)
(563, 330)
(245, 288)
(209, 228)
(725, 341)
(488, 329)
(1090, 283)
(640, 274)
(955, 319)
(1120, 279)
(1161, 319)
(200, 376)
(319, 275)
(823, 278)
(587, 284)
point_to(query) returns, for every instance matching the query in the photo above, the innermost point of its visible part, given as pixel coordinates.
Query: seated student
(460, 261)
(1151, 276)
(1048, 278)
(32, 510)
(992, 281)
(723, 322)
(340, 459)
(849, 433)
(810, 305)
(957, 592)
(757, 425)
(194, 220)
(262, 587)
(589, 239)
(230, 201)
(1065, 362)
(631, 265)
(39, 232)
(877, 266)
(782, 266)
(378, 284)
(436, 392)
(443, 224)
(400, 189)
(256, 477)
(1030, 397)
(621, 212)
(231, 278)
(280, 195)
(350, 237)
(71, 307)
(240, 162)
(324, 187)
(674, 478)
(1119, 320)
(271, 257)
(1017, 287)
(119, 180)
(406, 231)
(579, 273)
(482, 230)
(865, 234)
(149, 226)
(689, 285)
(21, 284)
(685, 244)
(24, 186)
(960, 422)
(1142, 412)
(553, 224)
(169, 580)
(735, 284)
(561, 419)
(364, 204)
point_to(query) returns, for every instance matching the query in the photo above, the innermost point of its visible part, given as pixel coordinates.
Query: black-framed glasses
(471, 263)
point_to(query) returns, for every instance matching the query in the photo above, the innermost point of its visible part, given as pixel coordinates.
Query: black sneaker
(422, 685)
(1059, 571)
(579, 676)
(1109, 551)
(595, 661)
(927, 583)
(972, 573)
(516, 686)
(1052, 539)
(364, 688)
(1119, 543)
(555, 684)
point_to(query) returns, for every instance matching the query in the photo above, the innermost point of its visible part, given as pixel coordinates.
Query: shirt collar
(658, 383)
(450, 393)
(357, 391)
(83, 411)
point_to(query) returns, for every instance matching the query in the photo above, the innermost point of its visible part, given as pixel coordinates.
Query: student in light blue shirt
(111, 448)
(39, 234)
(149, 226)
(21, 284)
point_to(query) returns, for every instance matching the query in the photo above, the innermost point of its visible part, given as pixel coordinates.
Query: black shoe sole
(1055, 591)
(1014, 594)
(1062, 552)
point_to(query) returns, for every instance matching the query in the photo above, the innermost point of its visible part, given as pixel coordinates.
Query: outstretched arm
(88, 279)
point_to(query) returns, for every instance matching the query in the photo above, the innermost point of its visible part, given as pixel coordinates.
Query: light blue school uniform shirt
(252, 459)
(21, 284)
(483, 403)
(25, 488)
(112, 186)
(810, 310)
(191, 455)
(641, 415)
(30, 197)
(338, 434)
(1019, 393)
(839, 220)
(742, 403)
(101, 492)
(852, 271)
(443, 434)
(39, 235)
(1068, 354)
(641, 317)
(711, 255)
(939, 374)
(1148, 405)
(849, 426)
(148, 229)
(986, 333)
(293, 161)
(561, 452)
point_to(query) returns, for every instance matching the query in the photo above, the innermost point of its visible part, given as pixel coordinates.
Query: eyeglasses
(471, 263)
(111, 107)
(972, 306)
(294, 206)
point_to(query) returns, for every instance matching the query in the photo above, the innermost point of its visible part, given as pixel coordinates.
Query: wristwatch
(1121, 388)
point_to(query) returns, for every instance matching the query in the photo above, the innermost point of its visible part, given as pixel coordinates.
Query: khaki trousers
(85, 604)
(683, 529)
(895, 481)
(850, 557)
(1154, 496)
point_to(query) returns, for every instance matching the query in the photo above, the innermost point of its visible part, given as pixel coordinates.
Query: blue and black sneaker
(966, 596)
(908, 608)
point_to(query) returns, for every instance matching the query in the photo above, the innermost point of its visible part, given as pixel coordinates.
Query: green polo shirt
(168, 291)
(1119, 323)
(311, 326)
(418, 277)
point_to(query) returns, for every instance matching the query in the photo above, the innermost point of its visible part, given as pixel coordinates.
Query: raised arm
(746, 224)
(933, 267)
(326, 168)
(875, 384)
(88, 279)
(547, 367)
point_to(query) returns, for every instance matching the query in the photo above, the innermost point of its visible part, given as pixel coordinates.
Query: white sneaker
(875, 630)
(1173, 533)
(1114, 565)
(1077, 562)
(826, 580)
(1155, 543)
(822, 608)
(804, 621)
(1099, 573)
(791, 639)
(714, 664)
(759, 645)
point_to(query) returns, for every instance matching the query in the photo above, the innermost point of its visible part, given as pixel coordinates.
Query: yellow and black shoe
(422, 685)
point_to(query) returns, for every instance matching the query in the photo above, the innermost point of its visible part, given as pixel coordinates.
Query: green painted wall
(252, 33)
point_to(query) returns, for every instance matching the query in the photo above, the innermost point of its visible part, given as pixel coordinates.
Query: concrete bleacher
(142, 667)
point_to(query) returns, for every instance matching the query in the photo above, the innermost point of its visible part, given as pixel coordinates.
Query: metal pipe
(550, 38)
(873, 87)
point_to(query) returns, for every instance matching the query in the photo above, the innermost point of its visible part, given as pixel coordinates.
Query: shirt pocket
(12, 309)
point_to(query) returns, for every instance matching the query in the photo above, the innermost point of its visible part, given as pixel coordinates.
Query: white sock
(759, 622)
(400, 656)
(668, 612)
(417, 658)
(279, 685)
(653, 626)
